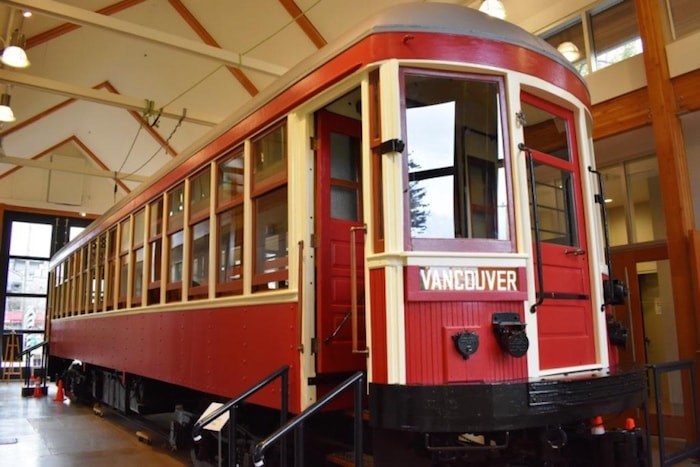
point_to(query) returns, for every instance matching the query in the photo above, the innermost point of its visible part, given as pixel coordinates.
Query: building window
(633, 202)
(615, 33)
(685, 17)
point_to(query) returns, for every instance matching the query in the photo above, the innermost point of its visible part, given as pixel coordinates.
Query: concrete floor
(46, 433)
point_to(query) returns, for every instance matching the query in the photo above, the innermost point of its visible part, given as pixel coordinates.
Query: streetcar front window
(457, 183)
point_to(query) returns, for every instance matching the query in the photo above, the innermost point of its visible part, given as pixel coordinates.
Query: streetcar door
(338, 215)
(564, 318)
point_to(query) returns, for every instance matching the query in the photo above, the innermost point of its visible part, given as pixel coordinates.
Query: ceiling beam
(99, 97)
(41, 164)
(83, 17)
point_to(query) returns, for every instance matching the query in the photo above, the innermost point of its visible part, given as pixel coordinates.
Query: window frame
(491, 245)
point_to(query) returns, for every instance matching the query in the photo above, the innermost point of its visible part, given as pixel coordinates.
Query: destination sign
(469, 279)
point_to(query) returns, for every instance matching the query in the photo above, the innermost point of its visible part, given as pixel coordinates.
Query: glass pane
(139, 224)
(271, 231)
(199, 193)
(123, 275)
(615, 204)
(176, 257)
(685, 16)
(27, 276)
(26, 313)
(569, 41)
(457, 183)
(645, 201)
(200, 253)
(615, 34)
(231, 245)
(346, 151)
(73, 232)
(176, 207)
(231, 178)
(156, 254)
(124, 235)
(344, 203)
(137, 286)
(156, 223)
(270, 155)
(28, 239)
(546, 132)
(554, 205)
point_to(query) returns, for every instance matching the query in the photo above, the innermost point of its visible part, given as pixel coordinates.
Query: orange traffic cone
(59, 392)
(37, 387)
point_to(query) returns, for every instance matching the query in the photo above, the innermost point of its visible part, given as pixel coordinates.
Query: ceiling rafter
(65, 28)
(203, 34)
(99, 97)
(304, 23)
(83, 17)
(103, 85)
(103, 171)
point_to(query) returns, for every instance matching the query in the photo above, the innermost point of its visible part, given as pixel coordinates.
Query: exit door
(339, 224)
(564, 316)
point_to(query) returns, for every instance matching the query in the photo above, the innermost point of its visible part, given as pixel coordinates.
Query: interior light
(14, 55)
(569, 51)
(6, 113)
(493, 8)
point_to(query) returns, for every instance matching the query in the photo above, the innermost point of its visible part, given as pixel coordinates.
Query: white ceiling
(87, 87)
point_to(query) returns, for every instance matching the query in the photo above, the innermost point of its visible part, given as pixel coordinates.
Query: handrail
(300, 301)
(297, 424)
(34, 347)
(539, 295)
(230, 406)
(353, 287)
(600, 199)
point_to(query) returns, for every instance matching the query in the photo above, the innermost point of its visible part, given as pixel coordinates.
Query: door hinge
(313, 143)
(314, 346)
(312, 241)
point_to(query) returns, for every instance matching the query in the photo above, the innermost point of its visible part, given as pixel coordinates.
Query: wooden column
(673, 172)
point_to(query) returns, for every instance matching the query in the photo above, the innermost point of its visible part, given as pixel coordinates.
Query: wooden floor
(38, 431)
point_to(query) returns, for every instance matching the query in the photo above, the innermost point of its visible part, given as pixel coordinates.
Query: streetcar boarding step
(347, 459)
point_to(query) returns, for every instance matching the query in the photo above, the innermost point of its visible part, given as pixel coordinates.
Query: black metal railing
(296, 424)
(231, 407)
(692, 448)
(26, 354)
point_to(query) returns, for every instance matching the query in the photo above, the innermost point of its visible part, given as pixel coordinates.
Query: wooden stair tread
(347, 459)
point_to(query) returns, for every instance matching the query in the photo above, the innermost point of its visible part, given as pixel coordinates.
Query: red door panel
(565, 320)
(338, 212)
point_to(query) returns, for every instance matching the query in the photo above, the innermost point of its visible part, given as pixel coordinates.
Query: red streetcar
(416, 202)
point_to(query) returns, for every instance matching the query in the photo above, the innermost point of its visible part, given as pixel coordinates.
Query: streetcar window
(199, 267)
(137, 258)
(230, 280)
(155, 248)
(269, 198)
(457, 184)
(199, 194)
(175, 275)
(270, 157)
(230, 184)
(124, 239)
(230, 178)
(176, 207)
(270, 213)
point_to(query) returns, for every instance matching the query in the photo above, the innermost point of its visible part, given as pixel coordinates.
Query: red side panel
(431, 356)
(378, 351)
(221, 351)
